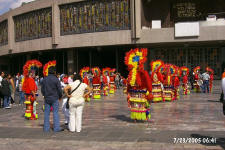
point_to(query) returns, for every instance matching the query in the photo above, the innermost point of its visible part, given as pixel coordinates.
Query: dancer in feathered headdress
(157, 87)
(106, 80)
(176, 83)
(96, 83)
(211, 72)
(197, 80)
(83, 74)
(185, 73)
(30, 88)
(139, 85)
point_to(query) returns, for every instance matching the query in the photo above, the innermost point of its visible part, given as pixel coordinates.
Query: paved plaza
(107, 126)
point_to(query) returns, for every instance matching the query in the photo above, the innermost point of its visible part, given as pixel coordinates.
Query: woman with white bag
(76, 102)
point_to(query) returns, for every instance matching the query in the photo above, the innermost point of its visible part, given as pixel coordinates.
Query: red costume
(139, 85)
(185, 72)
(96, 83)
(83, 75)
(30, 89)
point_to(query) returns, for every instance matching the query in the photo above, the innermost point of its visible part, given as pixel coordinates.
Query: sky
(5, 5)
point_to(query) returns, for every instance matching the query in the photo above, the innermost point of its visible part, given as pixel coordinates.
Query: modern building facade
(80, 33)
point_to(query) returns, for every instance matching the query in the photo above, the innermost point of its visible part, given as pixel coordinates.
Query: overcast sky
(5, 5)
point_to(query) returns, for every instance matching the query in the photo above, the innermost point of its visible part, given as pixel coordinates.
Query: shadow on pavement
(214, 101)
(210, 141)
(122, 118)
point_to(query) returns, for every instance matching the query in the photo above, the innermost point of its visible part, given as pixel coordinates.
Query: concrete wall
(121, 37)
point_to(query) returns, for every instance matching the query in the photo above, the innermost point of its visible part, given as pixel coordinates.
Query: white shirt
(70, 80)
(1, 80)
(205, 76)
(78, 94)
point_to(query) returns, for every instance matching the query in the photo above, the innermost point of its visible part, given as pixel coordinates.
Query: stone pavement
(193, 122)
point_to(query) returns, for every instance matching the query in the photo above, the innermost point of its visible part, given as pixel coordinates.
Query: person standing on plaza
(1, 95)
(76, 102)
(206, 78)
(223, 84)
(117, 80)
(6, 92)
(12, 88)
(52, 92)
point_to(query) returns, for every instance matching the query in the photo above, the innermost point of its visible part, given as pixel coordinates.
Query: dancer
(185, 72)
(157, 87)
(84, 76)
(139, 85)
(96, 83)
(211, 78)
(29, 87)
(197, 80)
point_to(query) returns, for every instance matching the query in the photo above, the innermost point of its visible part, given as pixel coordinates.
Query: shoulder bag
(68, 99)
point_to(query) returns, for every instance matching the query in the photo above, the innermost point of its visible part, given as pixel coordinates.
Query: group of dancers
(142, 88)
(161, 85)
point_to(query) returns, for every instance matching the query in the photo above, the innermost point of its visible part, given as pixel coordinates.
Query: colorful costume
(83, 75)
(29, 87)
(211, 78)
(139, 85)
(197, 81)
(96, 83)
(112, 86)
(157, 89)
(185, 73)
(168, 70)
(105, 73)
(176, 83)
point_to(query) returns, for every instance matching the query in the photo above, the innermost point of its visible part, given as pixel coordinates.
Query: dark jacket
(5, 90)
(51, 88)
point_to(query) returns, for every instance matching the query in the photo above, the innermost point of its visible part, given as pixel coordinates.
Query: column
(55, 23)
(70, 61)
(11, 35)
(135, 6)
(90, 58)
(117, 60)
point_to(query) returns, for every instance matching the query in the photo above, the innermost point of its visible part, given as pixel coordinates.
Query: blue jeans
(56, 124)
(206, 86)
(22, 98)
(7, 100)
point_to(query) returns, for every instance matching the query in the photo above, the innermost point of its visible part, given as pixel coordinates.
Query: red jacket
(29, 85)
(185, 79)
(86, 81)
(176, 82)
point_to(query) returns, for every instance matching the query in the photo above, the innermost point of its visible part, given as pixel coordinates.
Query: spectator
(1, 96)
(76, 102)
(223, 84)
(117, 81)
(12, 88)
(52, 92)
(6, 92)
(206, 78)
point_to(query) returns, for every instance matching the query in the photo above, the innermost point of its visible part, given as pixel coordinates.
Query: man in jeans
(206, 78)
(52, 92)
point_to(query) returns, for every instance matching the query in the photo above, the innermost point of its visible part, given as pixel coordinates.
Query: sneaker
(8, 107)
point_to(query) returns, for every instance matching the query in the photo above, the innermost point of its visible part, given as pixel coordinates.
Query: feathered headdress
(112, 71)
(196, 69)
(155, 65)
(135, 60)
(210, 70)
(177, 71)
(31, 65)
(47, 66)
(106, 70)
(185, 69)
(96, 71)
(83, 71)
